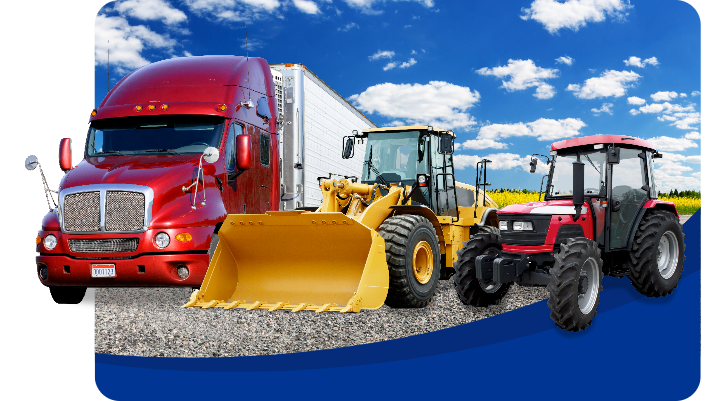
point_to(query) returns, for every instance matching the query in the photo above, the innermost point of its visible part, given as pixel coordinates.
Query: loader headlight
(422, 180)
(162, 240)
(503, 225)
(522, 226)
(50, 242)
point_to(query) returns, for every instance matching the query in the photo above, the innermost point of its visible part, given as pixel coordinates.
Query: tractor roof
(405, 128)
(619, 140)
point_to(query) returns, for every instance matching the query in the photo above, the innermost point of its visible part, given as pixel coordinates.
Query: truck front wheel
(67, 295)
(575, 284)
(472, 291)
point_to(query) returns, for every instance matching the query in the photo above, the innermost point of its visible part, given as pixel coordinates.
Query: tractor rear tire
(657, 254)
(470, 290)
(575, 284)
(67, 295)
(413, 256)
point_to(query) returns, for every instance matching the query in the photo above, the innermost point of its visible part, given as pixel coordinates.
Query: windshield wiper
(172, 151)
(109, 152)
(379, 177)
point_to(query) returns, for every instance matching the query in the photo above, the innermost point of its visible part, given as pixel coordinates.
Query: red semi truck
(174, 148)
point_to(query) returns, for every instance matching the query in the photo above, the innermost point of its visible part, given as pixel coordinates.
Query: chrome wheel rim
(667, 254)
(490, 286)
(590, 273)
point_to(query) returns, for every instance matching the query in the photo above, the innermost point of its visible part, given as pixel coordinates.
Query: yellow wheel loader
(388, 238)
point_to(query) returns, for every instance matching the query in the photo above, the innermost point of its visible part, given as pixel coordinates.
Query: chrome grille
(125, 211)
(82, 211)
(115, 245)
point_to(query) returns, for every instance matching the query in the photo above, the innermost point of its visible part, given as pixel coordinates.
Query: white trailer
(315, 120)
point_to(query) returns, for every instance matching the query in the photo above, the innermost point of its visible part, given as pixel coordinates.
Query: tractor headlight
(503, 225)
(522, 226)
(50, 242)
(162, 240)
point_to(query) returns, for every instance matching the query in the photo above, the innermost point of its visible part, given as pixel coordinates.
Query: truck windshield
(560, 182)
(153, 135)
(394, 157)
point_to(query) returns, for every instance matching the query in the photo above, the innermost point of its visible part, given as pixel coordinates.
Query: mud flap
(295, 261)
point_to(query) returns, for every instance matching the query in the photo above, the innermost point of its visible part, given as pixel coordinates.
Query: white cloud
(634, 112)
(234, 10)
(437, 103)
(669, 170)
(693, 135)
(187, 54)
(413, 52)
(126, 43)
(543, 129)
(682, 117)
(573, 14)
(366, 6)
(610, 83)
(348, 27)
(683, 95)
(637, 62)
(665, 95)
(408, 63)
(605, 108)
(564, 60)
(499, 161)
(390, 65)
(671, 144)
(306, 6)
(151, 10)
(695, 93)
(382, 54)
(482, 144)
(253, 44)
(524, 74)
(686, 120)
(636, 100)
(269, 5)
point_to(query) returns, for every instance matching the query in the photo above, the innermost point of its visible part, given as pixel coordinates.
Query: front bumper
(509, 267)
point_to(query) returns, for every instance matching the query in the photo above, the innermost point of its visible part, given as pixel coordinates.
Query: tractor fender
(424, 211)
(651, 204)
(490, 218)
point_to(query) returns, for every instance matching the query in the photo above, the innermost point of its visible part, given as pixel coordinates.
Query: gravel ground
(149, 322)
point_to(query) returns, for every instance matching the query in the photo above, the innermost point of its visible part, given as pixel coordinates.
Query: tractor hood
(544, 207)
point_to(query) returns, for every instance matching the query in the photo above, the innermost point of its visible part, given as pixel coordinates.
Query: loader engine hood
(544, 207)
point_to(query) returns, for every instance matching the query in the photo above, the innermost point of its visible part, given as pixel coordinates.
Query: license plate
(102, 270)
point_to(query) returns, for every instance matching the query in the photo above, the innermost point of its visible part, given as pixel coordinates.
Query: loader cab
(618, 180)
(416, 156)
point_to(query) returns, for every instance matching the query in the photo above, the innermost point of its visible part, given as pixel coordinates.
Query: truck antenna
(246, 58)
(109, 66)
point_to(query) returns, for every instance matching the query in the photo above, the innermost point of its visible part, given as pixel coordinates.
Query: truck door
(265, 172)
(626, 181)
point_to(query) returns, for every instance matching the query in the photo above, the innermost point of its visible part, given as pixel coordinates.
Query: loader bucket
(295, 261)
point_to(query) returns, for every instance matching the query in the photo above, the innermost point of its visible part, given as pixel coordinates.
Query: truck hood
(158, 172)
(544, 207)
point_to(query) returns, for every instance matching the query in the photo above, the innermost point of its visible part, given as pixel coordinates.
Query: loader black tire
(469, 290)
(402, 235)
(212, 246)
(67, 295)
(653, 272)
(577, 274)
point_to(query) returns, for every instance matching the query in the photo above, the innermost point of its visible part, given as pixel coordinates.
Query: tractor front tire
(67, 295)
(657, 254)
(413, 256)
(575, 284)
(470, 290)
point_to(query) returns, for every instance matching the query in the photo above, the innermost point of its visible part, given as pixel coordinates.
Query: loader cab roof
(379, 130)
(621, 141)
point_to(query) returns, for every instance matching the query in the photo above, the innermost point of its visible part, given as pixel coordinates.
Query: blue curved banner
(638, 348)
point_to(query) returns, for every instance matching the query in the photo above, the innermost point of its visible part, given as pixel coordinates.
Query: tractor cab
(418, 157)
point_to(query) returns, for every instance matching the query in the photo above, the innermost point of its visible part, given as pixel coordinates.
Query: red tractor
(601, 216)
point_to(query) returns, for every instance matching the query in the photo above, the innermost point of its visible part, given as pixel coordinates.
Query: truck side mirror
(65, 154)
(244, 152)
(446, 144)
(577, 188)
(533, 164)
(210, 154)
(263, 109)
(348, 148)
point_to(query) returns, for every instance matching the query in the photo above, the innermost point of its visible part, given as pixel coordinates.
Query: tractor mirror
(657, 155)
(613, 155)
(244, 152)
(533, 164)
(348, 151)
(446, 144)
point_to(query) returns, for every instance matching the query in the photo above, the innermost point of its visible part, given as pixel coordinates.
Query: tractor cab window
(395, 157)
(560, 182)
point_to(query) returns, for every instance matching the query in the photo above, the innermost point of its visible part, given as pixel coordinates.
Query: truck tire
(575, 284)
(67, 295)
(470, 290)
(413, 256)
(657, 254)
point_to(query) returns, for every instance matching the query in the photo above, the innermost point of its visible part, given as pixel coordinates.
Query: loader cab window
(154, 135)
(395, 157)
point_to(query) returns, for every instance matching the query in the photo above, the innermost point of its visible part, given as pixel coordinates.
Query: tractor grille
(124, 211)
(82, 211)
(541, 223)
(115, 245)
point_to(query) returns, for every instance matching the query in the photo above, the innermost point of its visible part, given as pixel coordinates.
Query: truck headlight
(162, 240)
(50, 242)
(522, 226)
(503, 225)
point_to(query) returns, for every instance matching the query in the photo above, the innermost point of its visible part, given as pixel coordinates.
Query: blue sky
(509, 77)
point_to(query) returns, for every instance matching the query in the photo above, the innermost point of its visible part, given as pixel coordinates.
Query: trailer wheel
(575, 284)
(67, 295)
(657, 254)
(472, 291)
(413, 256)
